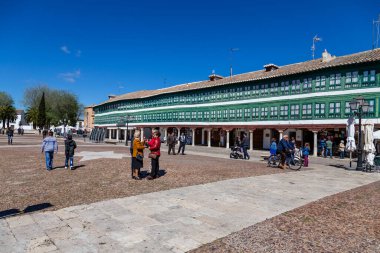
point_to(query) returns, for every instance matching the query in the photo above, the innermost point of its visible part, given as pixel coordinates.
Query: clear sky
(100, 47)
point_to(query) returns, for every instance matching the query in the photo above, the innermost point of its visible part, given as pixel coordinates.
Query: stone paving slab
(175, 220)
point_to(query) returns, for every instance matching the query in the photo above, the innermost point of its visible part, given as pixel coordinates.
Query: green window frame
(335, 81)
(320, 83)
(255, 112)
(296, 86)
(307, 85)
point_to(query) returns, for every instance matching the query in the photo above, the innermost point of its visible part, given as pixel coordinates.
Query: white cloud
(70, 77)
(65, 49)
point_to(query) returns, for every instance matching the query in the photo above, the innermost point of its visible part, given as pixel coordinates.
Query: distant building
(20, 122)
(89, 117)
(306, 100)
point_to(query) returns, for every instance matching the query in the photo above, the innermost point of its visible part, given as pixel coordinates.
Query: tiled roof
(297, 68)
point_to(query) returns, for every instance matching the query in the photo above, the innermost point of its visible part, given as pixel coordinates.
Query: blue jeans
(49, 156)
(328, 152)
(10, 139)
(341, 154)
(71, 159)
(246, 155)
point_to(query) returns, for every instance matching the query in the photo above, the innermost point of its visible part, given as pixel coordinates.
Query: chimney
(214, 77)
(326, 56)
(111, 96)
(270, 67)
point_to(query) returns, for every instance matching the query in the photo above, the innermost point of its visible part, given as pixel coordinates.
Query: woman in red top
(154, 147)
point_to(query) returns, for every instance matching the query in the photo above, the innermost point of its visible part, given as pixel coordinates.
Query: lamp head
(354, 104)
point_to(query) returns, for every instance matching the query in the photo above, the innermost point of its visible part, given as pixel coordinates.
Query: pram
(236, 153)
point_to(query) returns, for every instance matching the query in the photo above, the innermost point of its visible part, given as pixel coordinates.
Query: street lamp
(359, 107)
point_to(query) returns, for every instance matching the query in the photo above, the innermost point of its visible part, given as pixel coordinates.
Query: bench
(111, 142)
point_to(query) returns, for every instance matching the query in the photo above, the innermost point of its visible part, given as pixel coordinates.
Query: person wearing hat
(49, 145)
(341, 149)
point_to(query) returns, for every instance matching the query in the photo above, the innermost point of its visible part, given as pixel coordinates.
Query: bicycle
(295, 162)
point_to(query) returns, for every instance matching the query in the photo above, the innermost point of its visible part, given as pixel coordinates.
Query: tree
(41, 120)
(31, 115)
(7, 110)
(60, 106)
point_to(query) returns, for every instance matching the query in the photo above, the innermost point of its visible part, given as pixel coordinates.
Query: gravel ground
(25, 181)
(345, 222)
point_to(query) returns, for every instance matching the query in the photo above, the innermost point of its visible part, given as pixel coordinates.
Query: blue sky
(100, 47)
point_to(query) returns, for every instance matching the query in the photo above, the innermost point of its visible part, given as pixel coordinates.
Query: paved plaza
(171, 214)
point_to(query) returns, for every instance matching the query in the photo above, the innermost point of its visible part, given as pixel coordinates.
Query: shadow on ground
(28, 209)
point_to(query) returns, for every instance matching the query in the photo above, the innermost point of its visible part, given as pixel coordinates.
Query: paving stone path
(176, 220)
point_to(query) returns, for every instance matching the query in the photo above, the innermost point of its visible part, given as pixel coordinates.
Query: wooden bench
(111, 142)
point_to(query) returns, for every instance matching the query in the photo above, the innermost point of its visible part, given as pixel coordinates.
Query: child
(341, 149)
(273, 147)
(306, 151)
(70, 145)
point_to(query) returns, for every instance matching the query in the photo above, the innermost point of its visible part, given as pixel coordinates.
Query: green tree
(31, 115)
(41, 120)
(7, 110)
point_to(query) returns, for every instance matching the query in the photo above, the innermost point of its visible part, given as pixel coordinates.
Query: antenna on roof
(232, 50)
(315, 39)
(375, 33)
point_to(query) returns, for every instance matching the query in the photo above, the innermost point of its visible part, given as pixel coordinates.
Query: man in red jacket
(154, 147)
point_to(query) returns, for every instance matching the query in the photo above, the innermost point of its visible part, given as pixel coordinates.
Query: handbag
(139, 157)
(153, 156)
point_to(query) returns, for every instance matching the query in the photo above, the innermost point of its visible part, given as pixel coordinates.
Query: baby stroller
(236, 153)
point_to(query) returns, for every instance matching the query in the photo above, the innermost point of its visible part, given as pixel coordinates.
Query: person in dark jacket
(171, 141)
(70, 146)
(245, 145)
(10, 133)
(284, 149)
(182, 144)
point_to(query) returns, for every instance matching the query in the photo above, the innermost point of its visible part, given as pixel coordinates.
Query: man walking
(245, 145)
(10, 136)
(49, 145)
(329, 145)
(182, 143)
(284, 149)
(171, 143)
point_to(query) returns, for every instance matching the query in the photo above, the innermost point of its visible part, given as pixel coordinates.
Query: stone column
(193, 137)
(227, 139)
(166, 133)
(315, 148)
(281, 132)
(125, 135)
(109, 134)
(117, 134)
(142, 133)
(250, 139)
(203, 136)
(209, 138)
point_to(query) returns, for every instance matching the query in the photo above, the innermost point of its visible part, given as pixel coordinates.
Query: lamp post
(359, 107)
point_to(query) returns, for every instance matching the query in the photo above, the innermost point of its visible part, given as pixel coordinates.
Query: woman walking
(154, 147)
(137, 155)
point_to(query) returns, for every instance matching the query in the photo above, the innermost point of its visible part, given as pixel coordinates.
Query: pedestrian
(237, 141)
(137, 155)
(171, 143)
(341, 149)
(323, 147)
(329, 145)
(49, 145)
(273, 147)
(306, 152)
(292, 144)
(245, 145)
(22, 131)
(10, 133)
(182, 143)
(284, 149)
(154, 147)
(70, 146)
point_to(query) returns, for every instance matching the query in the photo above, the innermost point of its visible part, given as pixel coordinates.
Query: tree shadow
(29, 209)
